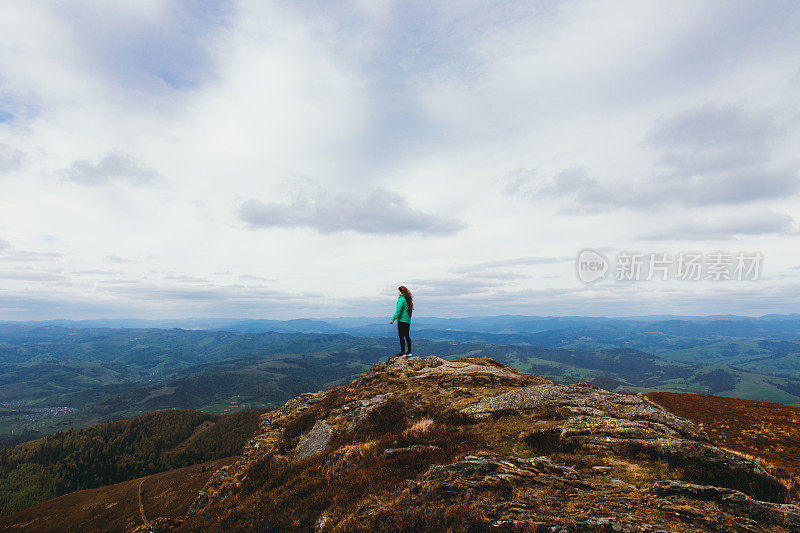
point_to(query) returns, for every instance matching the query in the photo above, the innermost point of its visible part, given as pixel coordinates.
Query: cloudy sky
(285, 159)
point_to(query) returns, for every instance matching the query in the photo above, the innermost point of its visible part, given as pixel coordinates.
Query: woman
(405, 306)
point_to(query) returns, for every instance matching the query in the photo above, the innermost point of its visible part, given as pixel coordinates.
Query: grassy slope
(116, 507)
(765, 430)
(117, 451)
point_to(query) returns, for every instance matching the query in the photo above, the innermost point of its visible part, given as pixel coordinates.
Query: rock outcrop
(423, 443)
(593, 408)
(315, 441)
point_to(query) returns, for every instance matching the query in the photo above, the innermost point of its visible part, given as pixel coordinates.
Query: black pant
(402, 332)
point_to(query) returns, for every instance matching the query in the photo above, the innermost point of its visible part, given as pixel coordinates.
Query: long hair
(407, 296)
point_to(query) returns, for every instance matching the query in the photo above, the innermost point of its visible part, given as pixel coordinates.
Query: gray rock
(315, 441)
(504, 467)
(703, 453)
(582, 399)
(359, 410)
(601, 427)
(780, 514)
(436, 367)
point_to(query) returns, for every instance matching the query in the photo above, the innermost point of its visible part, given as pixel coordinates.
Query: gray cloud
(495, 274)
(121, 281)
(210, 293)
(479, 278)
(526, 182)
(722, 155)
(115, 166)
(10, 158)
(116, 43)
(119, 260)
(254, 278)
(186, 279)
(377, 212)
(25, 255)
(4, 244)
(139, 300)
(728, 227)
(449, 287)
(21, 306)
(519, 261)
(31, 276)
(618, 300)
(605, 300)
(707, 156)
(709, 137)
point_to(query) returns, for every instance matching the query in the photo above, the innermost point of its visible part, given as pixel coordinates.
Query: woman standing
(405, 306)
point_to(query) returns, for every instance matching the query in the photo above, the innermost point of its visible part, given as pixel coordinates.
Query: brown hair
(407, 295)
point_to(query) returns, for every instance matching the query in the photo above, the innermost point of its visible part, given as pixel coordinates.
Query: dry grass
(419, 427)
(767, 432)
(116, 507)
(351, 475)
(362, 488)
(426, 517)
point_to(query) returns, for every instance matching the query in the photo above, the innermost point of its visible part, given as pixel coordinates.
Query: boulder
(315, 441)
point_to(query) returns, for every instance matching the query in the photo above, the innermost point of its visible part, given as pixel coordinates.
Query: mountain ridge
(472, 443)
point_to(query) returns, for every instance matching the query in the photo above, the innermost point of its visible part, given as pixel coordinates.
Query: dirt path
(119, 507)
(141, 504)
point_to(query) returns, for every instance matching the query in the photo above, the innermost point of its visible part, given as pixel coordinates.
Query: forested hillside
(72, 460)
(54, 378)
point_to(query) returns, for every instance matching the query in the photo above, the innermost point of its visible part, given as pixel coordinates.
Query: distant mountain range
(378, 325)
(545, 330)
(63, 374)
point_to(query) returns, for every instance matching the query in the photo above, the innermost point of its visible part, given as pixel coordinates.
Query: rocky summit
(424, 443)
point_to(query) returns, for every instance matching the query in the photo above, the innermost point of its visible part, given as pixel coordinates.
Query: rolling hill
(73, 460)
(55, 377)
(116, 508)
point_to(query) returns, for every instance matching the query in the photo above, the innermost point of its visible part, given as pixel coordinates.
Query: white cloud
(669, 123)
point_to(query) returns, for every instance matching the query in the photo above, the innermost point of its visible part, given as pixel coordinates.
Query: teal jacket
(403, 313)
